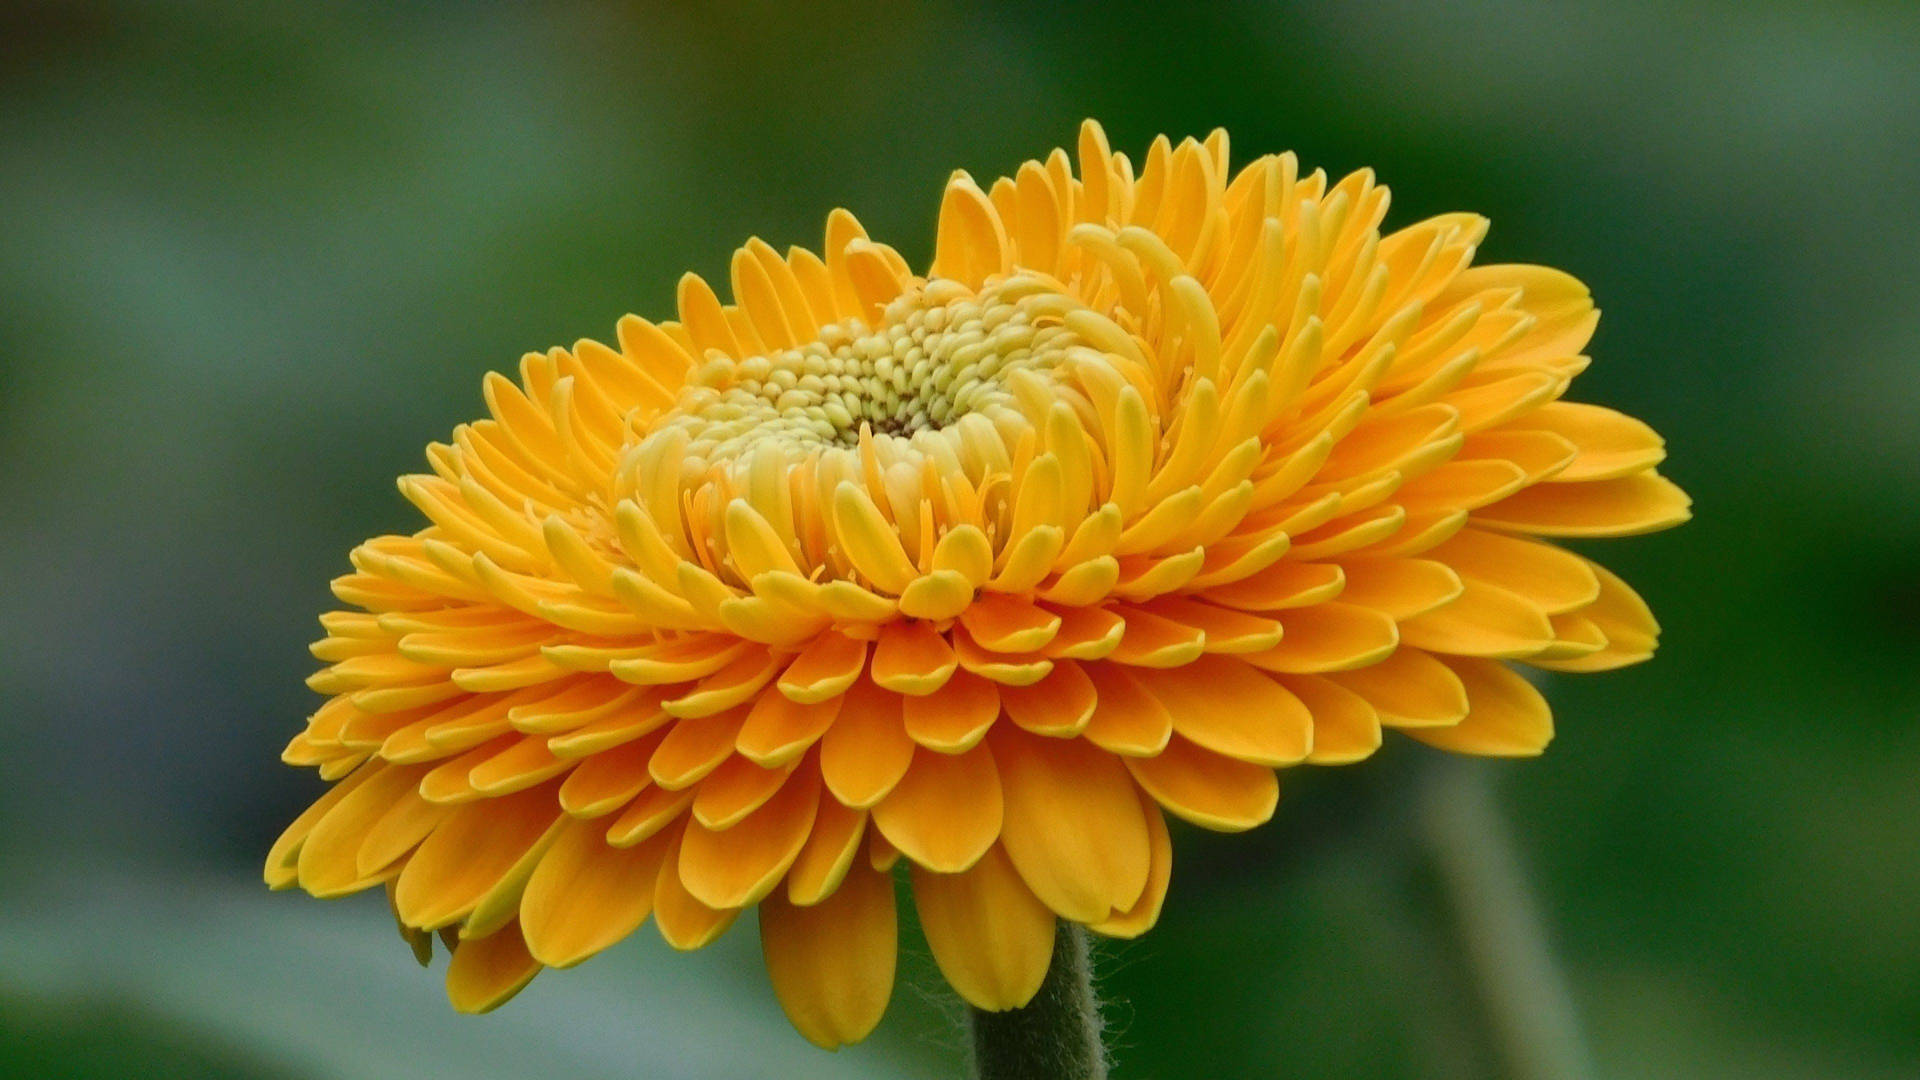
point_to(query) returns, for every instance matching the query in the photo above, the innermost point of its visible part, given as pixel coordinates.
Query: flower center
(941, 352)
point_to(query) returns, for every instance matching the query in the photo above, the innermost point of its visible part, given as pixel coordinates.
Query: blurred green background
(256, 257)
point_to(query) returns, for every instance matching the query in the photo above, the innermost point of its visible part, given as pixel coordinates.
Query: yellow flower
(1154, 483)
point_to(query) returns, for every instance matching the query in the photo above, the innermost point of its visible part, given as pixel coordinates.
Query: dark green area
(257, 256)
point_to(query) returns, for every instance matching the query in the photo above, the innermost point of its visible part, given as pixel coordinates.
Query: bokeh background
(255, 256)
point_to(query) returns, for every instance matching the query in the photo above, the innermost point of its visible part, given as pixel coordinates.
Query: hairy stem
(1522, 990)
(1056, 1036)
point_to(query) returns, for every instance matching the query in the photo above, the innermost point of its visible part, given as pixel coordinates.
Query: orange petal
(1641, 503)
(824, 669)
(946, 811)
(606, 782)
(1346, 728)
(832, 963)
(685, 923)
(1227, 630)
(737, 866)
(1230, 707)
(956, 718)
(1145, 911)
(1623, 617)
(694, 748)
(780, 729)
(912, 658)
(991, 937)
(1400, 588)
(486, 972)
(1330, 637)
(1281, 586)
(867, 750)
(1002, 623)
(1409, 689)
(1506, 716)
(586, 895)
(1086, 634)
(1059, 705)
(1552, 579)
(1154, 641)
(829, 851)
(1073, 827)
(650, 811)
(1008, 669)
(1126, 718)
(1207, 789)
(1484, 620)
(735, 789)
(468, 853)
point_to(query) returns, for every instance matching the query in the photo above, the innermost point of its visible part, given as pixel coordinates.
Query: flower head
(1153, 484)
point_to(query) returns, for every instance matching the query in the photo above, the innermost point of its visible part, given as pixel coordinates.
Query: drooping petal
(586, 895)
(1073, 827)
(832, 963)
(991, 937)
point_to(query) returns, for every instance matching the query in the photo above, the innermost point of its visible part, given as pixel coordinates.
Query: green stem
(1056, 1036)
(1521, 988)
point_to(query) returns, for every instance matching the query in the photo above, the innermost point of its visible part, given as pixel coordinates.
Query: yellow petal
(468, 853)
(832, 963)
(328, 864)
(991, 937)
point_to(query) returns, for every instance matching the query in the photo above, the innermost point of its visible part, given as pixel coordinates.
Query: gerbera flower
(1153, 483)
